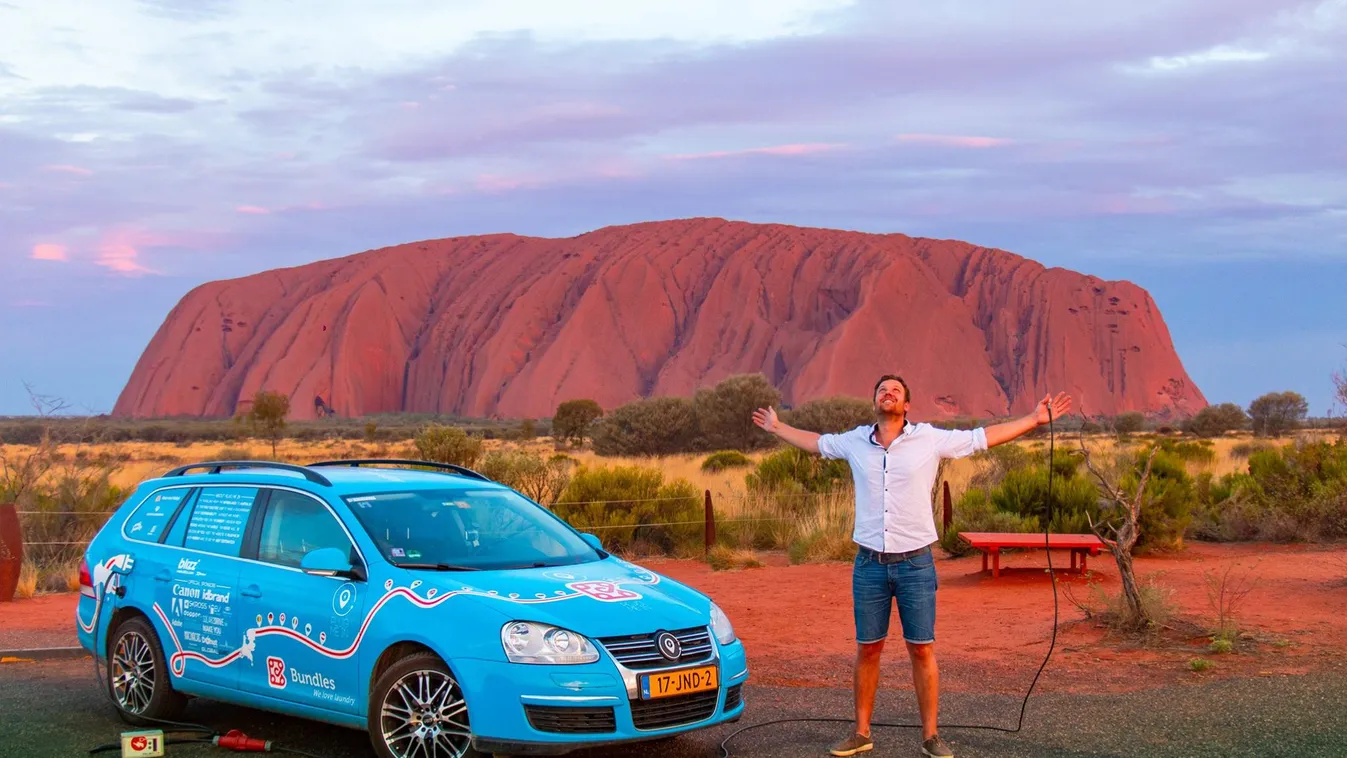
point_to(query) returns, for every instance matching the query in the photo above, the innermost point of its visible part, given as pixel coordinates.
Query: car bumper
(548, 710)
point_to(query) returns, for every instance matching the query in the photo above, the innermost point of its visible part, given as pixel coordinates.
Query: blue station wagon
(446, 614)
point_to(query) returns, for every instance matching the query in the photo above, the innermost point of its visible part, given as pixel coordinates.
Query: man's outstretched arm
(1000, 433)
(766, 418)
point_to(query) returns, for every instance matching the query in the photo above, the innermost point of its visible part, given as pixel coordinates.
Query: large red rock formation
(510, 326)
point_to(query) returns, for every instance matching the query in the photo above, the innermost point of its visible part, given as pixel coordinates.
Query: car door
(305, 625)
(196, 592)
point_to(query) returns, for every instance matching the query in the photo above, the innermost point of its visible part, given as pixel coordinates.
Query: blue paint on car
(444, 613)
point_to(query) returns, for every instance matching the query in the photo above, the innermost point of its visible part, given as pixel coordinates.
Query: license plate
(681, 682)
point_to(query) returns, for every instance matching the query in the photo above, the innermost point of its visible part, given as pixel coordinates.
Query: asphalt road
(53, 708)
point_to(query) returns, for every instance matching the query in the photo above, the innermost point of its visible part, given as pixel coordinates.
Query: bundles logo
(276, 672)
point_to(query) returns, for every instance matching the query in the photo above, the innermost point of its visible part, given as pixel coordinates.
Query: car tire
(418, 703)
(138, 676)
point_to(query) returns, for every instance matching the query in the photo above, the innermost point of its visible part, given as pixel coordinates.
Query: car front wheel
(138, 676)
(417, 709)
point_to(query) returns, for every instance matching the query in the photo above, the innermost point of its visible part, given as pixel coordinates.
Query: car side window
(295, 525)
(219, 517)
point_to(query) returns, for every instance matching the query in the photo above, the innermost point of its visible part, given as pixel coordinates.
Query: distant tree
(573, 420)
(1340, 383)
(371, 431)
(448, 444)
(654, 426)
(1276, 413)
(725, 412)
(1130, 422)
(528, 429)
(1215, 420)
(831, 415)
(267, 416)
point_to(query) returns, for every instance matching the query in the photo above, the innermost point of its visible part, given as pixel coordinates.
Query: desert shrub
(999, 461)
(656, 426)
(1024, 492)
(1243, 450)
(1276, 413)
(1215, 420)
(628, 504)
(1293, 493)
(1203, 452)
(723, 558)
(975, 513)
(543, 481)
(831, 415)
(821, 545)
(232, 454)
(791, 472)
(574, 419)
(725, 459)
(448, 444)
(724, 413)
(1130, 422)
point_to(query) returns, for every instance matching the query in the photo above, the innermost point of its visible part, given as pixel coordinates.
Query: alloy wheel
(424, 715)
(133, 674)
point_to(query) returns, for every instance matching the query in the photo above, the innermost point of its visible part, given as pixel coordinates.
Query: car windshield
(467, 529)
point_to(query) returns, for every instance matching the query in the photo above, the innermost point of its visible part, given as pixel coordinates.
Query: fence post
(710, 524)
(949, 509)
(11, 551)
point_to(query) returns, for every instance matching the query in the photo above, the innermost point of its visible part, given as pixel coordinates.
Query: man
(894, 464)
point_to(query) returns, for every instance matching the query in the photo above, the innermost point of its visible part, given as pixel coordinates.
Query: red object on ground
(238, 741)
(990, 543)
(11, 551)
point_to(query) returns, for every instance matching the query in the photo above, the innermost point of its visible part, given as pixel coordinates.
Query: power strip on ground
(146, 744)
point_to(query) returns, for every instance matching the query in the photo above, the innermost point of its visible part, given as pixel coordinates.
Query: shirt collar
(874, 429)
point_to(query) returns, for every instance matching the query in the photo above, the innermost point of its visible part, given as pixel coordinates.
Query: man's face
(891, 398)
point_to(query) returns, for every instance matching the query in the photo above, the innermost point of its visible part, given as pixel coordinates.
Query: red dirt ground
(991, 634)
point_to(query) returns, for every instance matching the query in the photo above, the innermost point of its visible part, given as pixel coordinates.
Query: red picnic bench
(990, 543)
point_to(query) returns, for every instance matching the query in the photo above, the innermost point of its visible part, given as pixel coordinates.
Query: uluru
(509, 326)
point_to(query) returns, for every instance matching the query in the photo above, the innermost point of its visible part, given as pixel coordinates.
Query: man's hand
(766, 418)
(1060, 405)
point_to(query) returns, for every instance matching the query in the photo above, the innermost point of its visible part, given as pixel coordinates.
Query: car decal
(113, 567)
(607, 590)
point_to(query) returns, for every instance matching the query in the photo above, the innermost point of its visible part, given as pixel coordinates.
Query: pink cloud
(255, 210)
(119, 250)
(806, 148)
(954, 140)
(49, 251)
(67, 169)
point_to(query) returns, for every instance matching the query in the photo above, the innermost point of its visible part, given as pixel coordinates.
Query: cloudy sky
(1196, 148)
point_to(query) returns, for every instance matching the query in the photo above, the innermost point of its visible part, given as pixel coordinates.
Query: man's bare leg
(926, 679)
(867, 683)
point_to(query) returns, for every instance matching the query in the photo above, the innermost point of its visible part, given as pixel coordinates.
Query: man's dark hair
(907, 393)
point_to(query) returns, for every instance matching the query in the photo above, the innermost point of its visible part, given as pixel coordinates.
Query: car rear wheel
(417, 710)
(138, 676)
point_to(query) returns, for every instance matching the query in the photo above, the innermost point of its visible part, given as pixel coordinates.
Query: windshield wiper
(436, 566)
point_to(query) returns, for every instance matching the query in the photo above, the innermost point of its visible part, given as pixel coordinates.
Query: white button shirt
(894, 513)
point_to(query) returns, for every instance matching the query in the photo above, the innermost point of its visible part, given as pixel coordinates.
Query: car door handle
(251, 590)
(163, 576)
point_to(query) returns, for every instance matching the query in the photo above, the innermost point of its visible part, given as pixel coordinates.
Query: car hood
(604, 598)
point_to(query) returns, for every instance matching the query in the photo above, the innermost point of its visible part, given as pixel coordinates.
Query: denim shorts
(874, 587)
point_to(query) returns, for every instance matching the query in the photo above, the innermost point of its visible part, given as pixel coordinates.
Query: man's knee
(868, 652)
(920, 653)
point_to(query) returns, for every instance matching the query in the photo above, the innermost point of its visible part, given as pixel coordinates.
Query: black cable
(1047, 543)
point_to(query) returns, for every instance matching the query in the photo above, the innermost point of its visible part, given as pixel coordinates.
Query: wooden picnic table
(990, 543)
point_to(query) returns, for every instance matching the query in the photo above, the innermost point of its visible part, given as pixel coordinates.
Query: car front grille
(571, 720)
(674, 711)
(639, 651)
(733, 696)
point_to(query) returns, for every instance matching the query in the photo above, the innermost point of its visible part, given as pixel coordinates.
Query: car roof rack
(447, 467)
(216, 466)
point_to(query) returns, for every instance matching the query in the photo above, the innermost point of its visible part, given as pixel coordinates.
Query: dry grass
(27, 580)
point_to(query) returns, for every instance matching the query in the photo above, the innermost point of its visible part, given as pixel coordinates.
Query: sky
(1194, 148)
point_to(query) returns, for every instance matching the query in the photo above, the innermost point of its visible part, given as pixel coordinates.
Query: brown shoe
(936, 748)
(856, 743)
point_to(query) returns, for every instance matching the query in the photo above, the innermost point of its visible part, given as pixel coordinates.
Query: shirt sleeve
(960, 443)
(832, 445)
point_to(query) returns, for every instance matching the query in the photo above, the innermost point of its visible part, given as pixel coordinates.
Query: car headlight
(720, 624)
(528, 642)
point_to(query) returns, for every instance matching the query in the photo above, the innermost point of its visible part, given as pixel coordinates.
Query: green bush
(725, 459)
(1293, 493)
(657, 426)
(975, 513)
(632, 507)
(542, 481)
(724, 413)
(1215, 420)
(574, 419)
(1193, 452)
(448, 444)
(793, 470)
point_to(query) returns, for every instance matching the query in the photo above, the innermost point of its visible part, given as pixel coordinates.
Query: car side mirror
(593, 541)
(330, 561)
